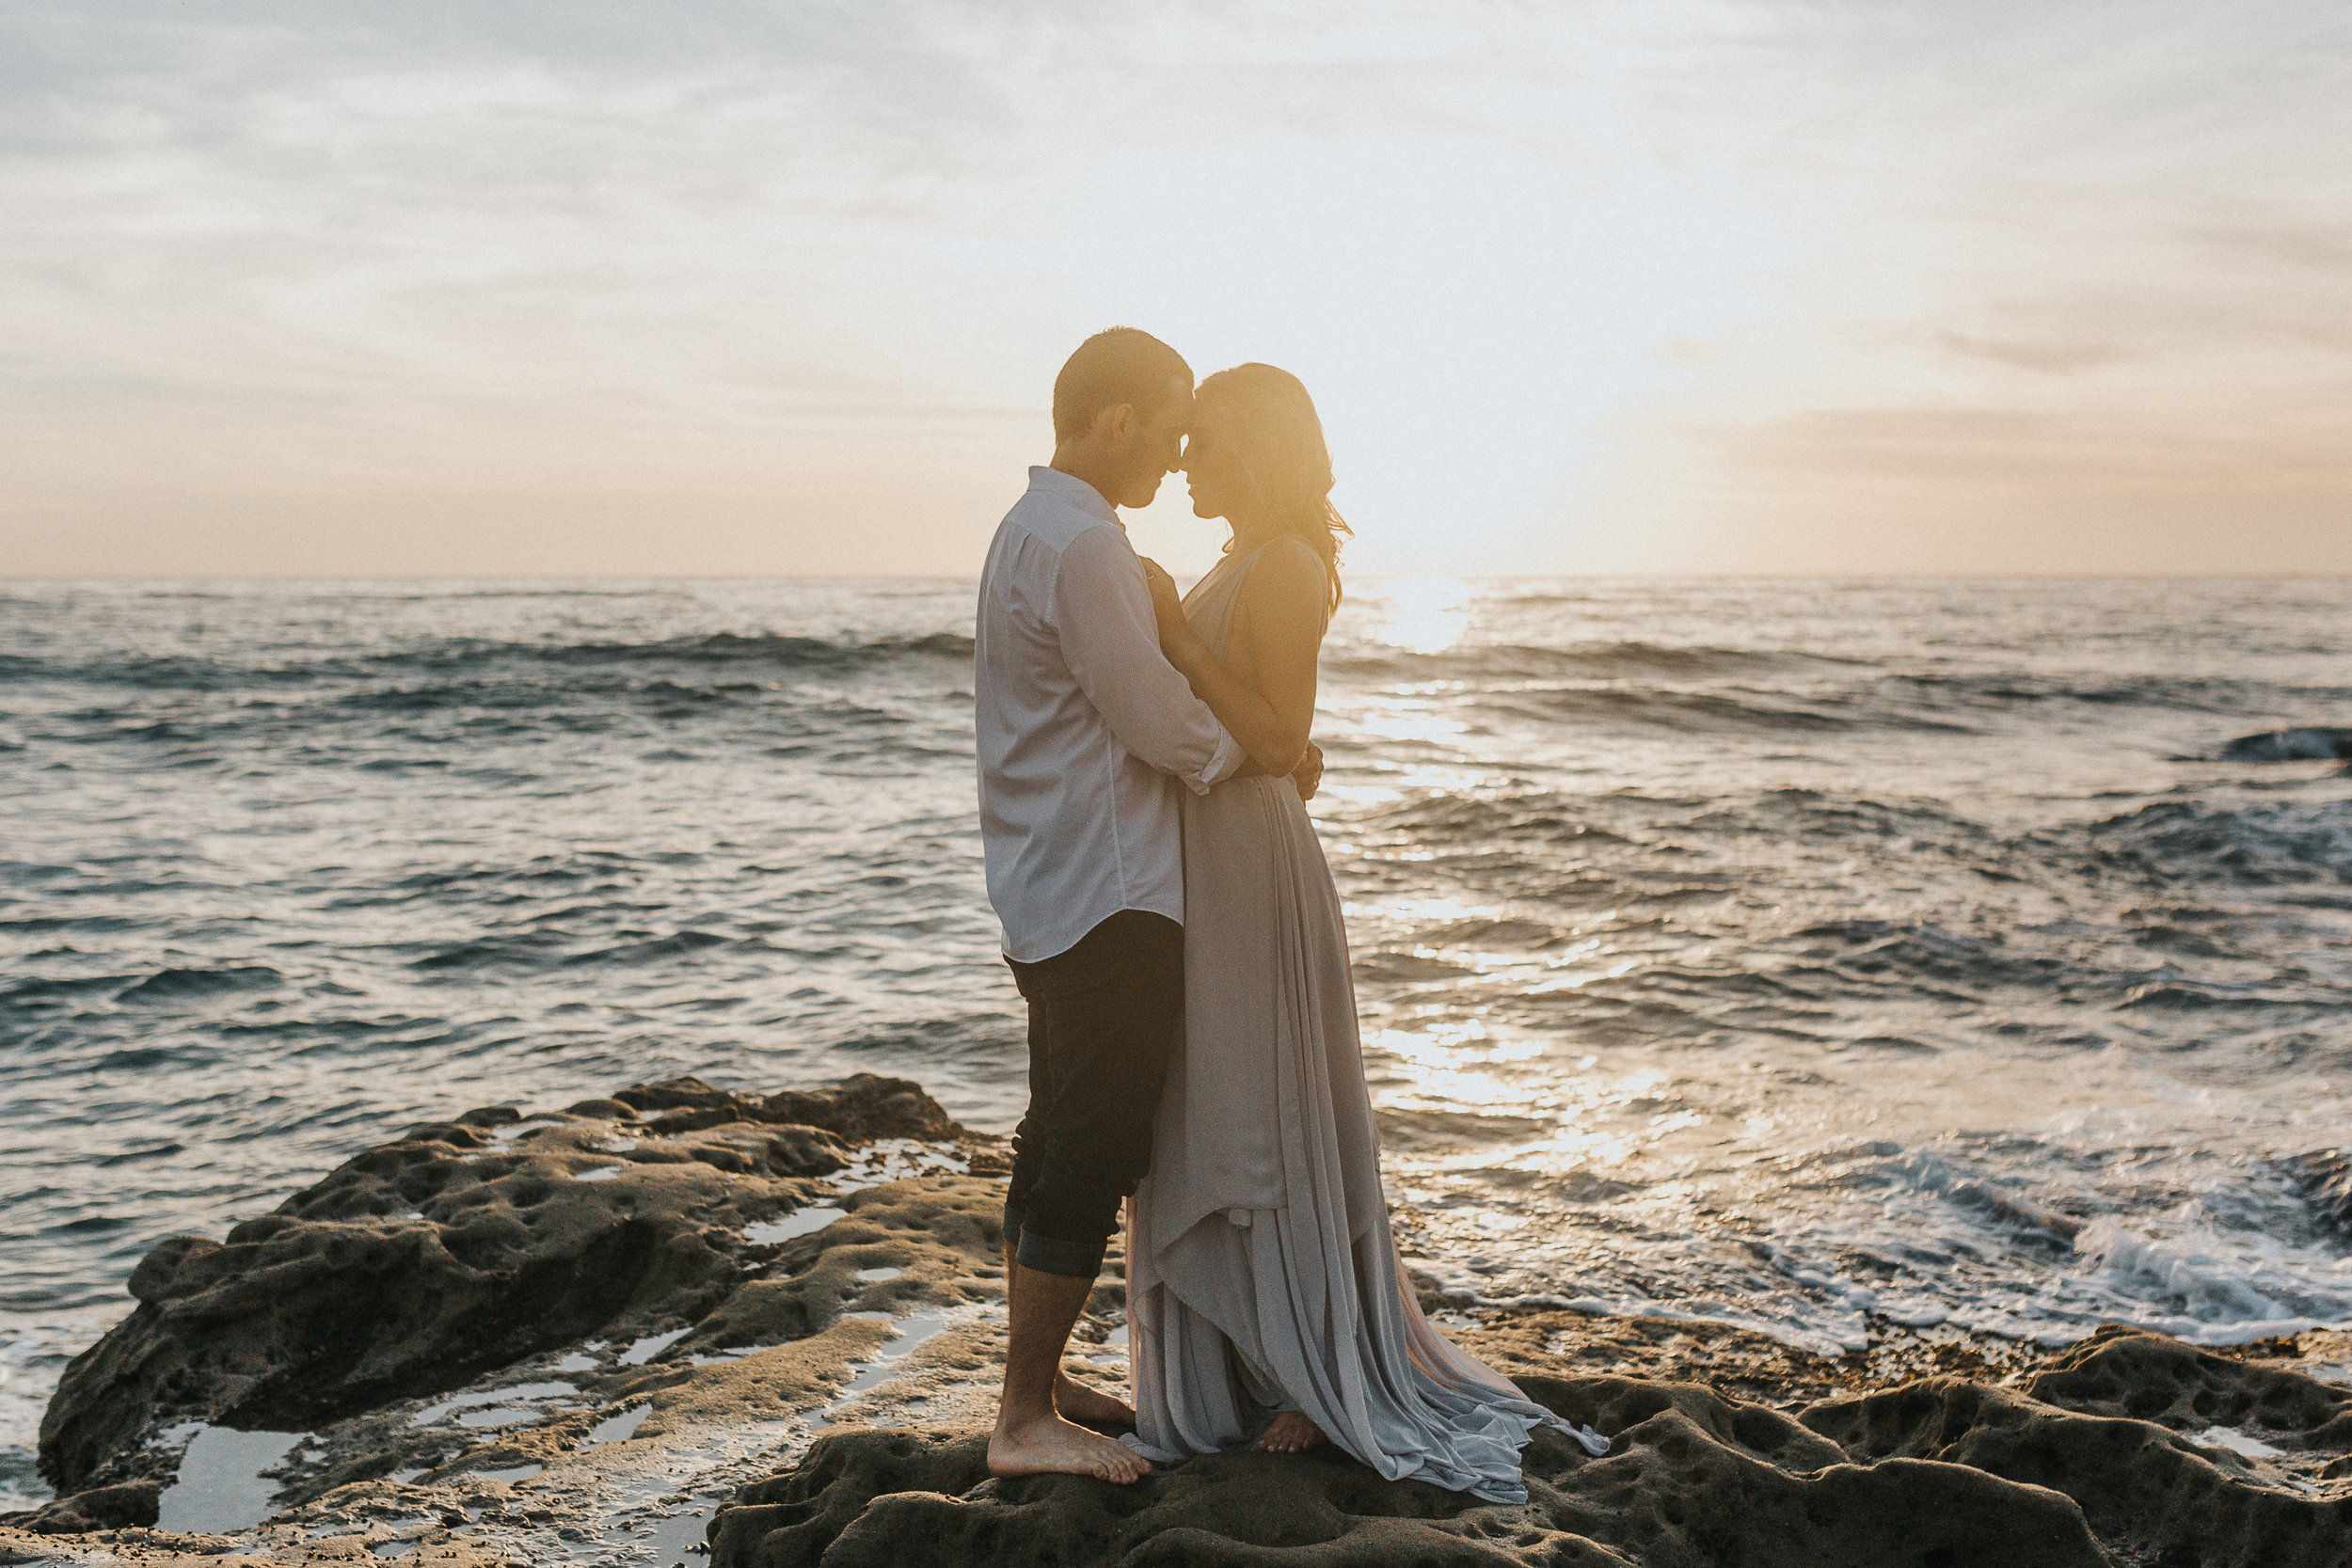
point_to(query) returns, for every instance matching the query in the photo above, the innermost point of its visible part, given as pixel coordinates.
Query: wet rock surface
(1940, 1470)
(792, 1339)
(1696, 1479)
(456, 1249)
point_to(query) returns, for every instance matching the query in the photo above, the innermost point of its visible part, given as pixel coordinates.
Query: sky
(567, 288)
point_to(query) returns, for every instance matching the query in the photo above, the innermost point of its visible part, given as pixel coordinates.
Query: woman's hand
(1307, 776)
(1167, 608)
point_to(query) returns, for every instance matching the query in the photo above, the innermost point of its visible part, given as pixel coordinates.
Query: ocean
(1806, 954)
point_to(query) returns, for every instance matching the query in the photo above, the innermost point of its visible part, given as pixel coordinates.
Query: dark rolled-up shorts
(1103, 1020)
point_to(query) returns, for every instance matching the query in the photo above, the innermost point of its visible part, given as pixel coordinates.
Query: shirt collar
(1071, 488)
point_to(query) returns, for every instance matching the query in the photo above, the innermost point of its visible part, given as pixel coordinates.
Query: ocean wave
(526, 694)
(468, 957)
(2208, 1284)
(751, 652)
(1706, 712)
(1449, 819)
(1593, 661)
(2307, 744)
(182, 985)
(2271, 843)
(1691, 686)
(2012, 689)
(759, 649)
(653, 949)
(1909, 826)
(1873, 950)
(43, 992)
(2176, 993)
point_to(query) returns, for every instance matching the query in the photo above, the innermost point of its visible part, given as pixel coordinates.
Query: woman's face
(1213, 474)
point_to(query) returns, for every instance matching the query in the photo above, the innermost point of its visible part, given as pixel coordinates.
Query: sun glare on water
(1427, 615)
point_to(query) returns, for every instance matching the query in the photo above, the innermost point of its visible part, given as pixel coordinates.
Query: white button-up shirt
(1080, 721)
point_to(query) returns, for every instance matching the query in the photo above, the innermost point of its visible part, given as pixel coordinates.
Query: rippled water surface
(1781, 952)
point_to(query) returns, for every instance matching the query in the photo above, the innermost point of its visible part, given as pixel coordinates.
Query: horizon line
(111, 580)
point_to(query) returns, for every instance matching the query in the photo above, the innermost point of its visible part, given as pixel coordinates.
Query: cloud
(2323, 249)
(1616, 263)
(2054, 357)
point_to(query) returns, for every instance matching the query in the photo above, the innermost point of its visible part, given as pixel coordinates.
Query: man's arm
(1103, 609)
(1284, 596)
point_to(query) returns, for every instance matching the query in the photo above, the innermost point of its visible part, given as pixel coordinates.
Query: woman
(1261, 1272)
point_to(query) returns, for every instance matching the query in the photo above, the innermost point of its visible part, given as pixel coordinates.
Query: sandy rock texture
(2115, 1452)
(459, 1248)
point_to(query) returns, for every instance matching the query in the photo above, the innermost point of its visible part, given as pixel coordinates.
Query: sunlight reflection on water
(1428, 614)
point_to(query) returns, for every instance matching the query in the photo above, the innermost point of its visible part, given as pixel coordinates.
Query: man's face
(1157, 448)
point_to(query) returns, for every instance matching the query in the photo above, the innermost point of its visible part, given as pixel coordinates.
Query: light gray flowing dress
(1261, 1272)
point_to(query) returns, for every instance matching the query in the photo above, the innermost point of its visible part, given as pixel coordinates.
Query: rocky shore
(680, 1314)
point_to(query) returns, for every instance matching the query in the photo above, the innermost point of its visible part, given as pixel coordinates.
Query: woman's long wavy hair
(1282, 448)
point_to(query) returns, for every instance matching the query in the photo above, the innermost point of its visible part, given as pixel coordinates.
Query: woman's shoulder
(1286, 569)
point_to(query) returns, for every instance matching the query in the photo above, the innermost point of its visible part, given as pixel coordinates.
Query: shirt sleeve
(1109, 638)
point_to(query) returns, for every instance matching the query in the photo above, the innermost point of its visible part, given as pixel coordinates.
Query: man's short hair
(1119, 365)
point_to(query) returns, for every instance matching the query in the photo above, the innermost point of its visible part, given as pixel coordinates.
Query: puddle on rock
(894, 1160)
(514, 1129)
(646, 1349)
(910, 1331)
(495, 1396)
(798, 1222)
(672, 1542)
(2237, 1442)
(675, 1541)
(614, 1429)
(505, 1416)
(520, 1472)
(220, 1487)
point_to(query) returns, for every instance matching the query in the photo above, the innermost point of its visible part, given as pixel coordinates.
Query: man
(1084, 728)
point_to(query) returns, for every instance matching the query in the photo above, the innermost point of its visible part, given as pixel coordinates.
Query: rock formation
(460, 1247)
(2093, 1463)
(591, 1333)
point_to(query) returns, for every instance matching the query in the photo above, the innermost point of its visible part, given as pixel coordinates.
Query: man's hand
(1308, 776)
(1167, 607)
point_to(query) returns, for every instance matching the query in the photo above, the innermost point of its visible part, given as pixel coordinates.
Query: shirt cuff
(1224, 763)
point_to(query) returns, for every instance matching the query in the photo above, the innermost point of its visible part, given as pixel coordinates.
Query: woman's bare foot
(1291, 1433)
(1082, 1402)
(1054, 1446)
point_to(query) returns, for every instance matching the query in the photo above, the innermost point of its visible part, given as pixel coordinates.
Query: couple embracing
(1169, 919)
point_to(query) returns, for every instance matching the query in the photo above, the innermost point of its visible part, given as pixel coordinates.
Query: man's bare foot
(1082, 1401)
(1291, 1433)
(1054, 1446)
